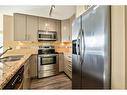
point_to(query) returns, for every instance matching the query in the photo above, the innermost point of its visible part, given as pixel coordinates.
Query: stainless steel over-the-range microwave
(47, 35)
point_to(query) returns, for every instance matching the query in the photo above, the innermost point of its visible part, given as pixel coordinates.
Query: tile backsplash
(59, 46)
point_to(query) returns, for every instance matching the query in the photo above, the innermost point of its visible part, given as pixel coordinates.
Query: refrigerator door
(96, 65)
(76, 65)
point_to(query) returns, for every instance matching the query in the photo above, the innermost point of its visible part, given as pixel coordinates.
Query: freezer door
(96, 65)
(76, 26)
(76, 65)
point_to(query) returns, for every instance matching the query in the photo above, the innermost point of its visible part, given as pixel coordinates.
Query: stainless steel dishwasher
(16, 81)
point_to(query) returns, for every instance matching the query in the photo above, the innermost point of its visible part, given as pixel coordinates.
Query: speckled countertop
(8, 69)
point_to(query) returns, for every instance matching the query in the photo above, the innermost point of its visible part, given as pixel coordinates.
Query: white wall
(118, 47)
(1, 32)
(1, 22)
(79, 10)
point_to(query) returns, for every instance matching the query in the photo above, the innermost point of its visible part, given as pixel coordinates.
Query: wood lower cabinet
(33, 66)
(61, 62)
(68, 66)
(26, 79)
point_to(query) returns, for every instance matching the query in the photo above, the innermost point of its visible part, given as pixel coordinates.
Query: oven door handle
(47, 55)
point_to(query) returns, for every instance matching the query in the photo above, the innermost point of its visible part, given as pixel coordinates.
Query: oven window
(48, 60)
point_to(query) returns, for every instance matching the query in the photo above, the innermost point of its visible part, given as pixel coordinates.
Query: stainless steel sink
(11, 58)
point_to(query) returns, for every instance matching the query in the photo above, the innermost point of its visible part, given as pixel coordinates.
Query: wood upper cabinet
(52, 24)
(26, 27)
(65, 30)
(71, 22)
(43, 24)
(19, 27)
(47, 24)
(32, 28)
(58, 29)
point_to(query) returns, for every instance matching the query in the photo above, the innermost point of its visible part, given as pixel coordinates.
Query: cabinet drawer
(68, 72)
(48, 67)
(68, 68)
(69, 65)
(47, 73)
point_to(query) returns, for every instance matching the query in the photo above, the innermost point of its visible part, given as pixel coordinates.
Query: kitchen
(40, 50)
(40, 38)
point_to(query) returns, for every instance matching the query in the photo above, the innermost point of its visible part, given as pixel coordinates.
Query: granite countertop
(8, 69)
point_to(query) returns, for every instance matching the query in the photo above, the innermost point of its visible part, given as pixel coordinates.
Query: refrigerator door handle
(83, 36)
(78, 45)
(82, 48)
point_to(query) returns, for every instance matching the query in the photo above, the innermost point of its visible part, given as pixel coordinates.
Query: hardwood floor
(60, 81)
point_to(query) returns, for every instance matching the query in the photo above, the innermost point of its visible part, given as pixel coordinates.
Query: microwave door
(47, 36)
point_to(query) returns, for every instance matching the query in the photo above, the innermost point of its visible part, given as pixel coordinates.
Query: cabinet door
(33, 66)
(26, 80)
(58, 30)
(65, 30)
(43, 23)
(47, 24)
(61, 62)
(68, 67)
(19, 27)
(51, 25)
(71, 22)
(32, 28)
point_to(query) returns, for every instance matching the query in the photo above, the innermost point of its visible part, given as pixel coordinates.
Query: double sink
(11, 58)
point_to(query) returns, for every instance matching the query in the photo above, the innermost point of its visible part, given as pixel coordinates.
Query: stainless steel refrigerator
(91, 60)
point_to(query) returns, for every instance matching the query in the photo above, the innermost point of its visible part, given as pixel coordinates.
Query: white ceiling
(60, 12)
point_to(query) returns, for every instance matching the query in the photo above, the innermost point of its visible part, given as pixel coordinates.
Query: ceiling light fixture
(51, 9)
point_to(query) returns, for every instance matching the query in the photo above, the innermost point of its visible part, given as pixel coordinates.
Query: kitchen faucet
(9, 48)
(5, 51)
(1, 47)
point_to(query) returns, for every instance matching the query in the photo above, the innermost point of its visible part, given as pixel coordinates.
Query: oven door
(47, 65)
(46, 59)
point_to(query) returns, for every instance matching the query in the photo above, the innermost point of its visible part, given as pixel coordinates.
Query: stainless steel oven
(47, 62)
(47, 35)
